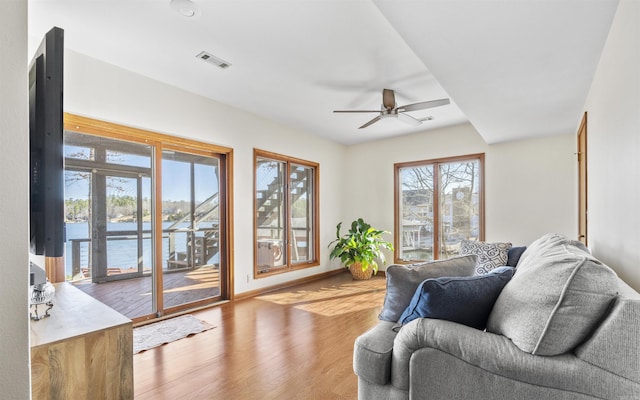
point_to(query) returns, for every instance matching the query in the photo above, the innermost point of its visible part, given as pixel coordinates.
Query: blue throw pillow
(403, 280)
(513, 256)
(465, 300)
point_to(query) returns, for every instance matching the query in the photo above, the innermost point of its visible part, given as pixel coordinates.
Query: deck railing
(140, 262)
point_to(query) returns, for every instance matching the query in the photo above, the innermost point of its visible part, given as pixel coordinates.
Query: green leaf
(362, 243)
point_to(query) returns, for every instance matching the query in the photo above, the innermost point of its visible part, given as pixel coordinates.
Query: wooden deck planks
(132, 297)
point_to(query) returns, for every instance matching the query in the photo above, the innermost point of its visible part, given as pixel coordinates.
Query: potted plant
(359, 248)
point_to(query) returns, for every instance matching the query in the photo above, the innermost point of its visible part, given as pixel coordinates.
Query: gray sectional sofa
(564, 327)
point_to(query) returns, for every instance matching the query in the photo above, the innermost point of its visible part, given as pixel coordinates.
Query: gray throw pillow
(556, 298)
(403, 280)
(490, 255)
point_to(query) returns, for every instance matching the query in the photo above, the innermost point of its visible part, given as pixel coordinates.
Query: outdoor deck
(132, 297)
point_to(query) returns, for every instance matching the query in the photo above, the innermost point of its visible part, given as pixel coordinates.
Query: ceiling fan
(390, 109)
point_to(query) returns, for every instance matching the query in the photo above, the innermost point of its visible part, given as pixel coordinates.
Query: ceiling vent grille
(211, 59)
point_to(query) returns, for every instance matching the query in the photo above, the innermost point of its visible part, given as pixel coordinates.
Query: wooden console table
(84, 350)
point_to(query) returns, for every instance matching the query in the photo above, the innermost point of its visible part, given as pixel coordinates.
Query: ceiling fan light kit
(390, 109)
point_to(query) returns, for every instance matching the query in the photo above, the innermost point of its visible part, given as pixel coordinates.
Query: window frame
(435, 163)
(288, 265)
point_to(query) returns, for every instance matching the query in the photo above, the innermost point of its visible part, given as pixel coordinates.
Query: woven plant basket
(358, 273)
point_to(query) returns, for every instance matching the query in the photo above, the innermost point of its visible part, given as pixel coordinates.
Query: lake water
(120, 253)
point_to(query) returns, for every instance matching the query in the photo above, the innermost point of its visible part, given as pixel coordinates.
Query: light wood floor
(290, 344)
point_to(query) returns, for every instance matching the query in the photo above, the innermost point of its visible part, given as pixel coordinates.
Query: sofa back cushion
(403, 280)
(556, 298)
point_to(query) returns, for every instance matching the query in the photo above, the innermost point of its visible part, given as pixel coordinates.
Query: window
(438, 204)
(286, 221)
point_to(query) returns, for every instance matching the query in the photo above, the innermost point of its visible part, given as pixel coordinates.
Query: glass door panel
(416, 213)
(129, 244)
(459, 205)
(108, 197)
(191, 228)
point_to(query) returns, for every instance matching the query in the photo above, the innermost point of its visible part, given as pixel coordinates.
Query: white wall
(613, 135)
(99, 90)
(14, 164)
(530, 185)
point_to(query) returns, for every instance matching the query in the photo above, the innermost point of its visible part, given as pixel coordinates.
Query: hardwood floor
(295, 343)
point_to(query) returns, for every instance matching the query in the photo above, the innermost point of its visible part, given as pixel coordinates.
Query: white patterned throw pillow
(489, 255)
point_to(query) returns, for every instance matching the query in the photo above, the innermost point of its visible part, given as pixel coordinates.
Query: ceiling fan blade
(388, 99)
(409, 119)
(356, 111)
(373, 121)
(423, 105)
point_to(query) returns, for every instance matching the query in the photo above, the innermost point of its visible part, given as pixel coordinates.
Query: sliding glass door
(147, 222)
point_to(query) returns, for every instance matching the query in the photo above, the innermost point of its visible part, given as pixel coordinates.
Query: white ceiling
(513, 68)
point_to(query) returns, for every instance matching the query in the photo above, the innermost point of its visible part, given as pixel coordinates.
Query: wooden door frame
(583, 210)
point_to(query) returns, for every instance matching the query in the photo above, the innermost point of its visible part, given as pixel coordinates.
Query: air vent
(211, 59)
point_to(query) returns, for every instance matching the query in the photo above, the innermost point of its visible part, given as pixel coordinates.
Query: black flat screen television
(46, 146)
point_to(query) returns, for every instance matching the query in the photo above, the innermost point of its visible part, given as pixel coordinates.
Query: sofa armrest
(450, 337)
(615, 345)
(372, 353)
(499, 356)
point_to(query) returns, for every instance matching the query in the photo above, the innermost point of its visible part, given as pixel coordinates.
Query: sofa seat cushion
(556, 298)
(403, 280)
(372, 353)
(467, 300)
